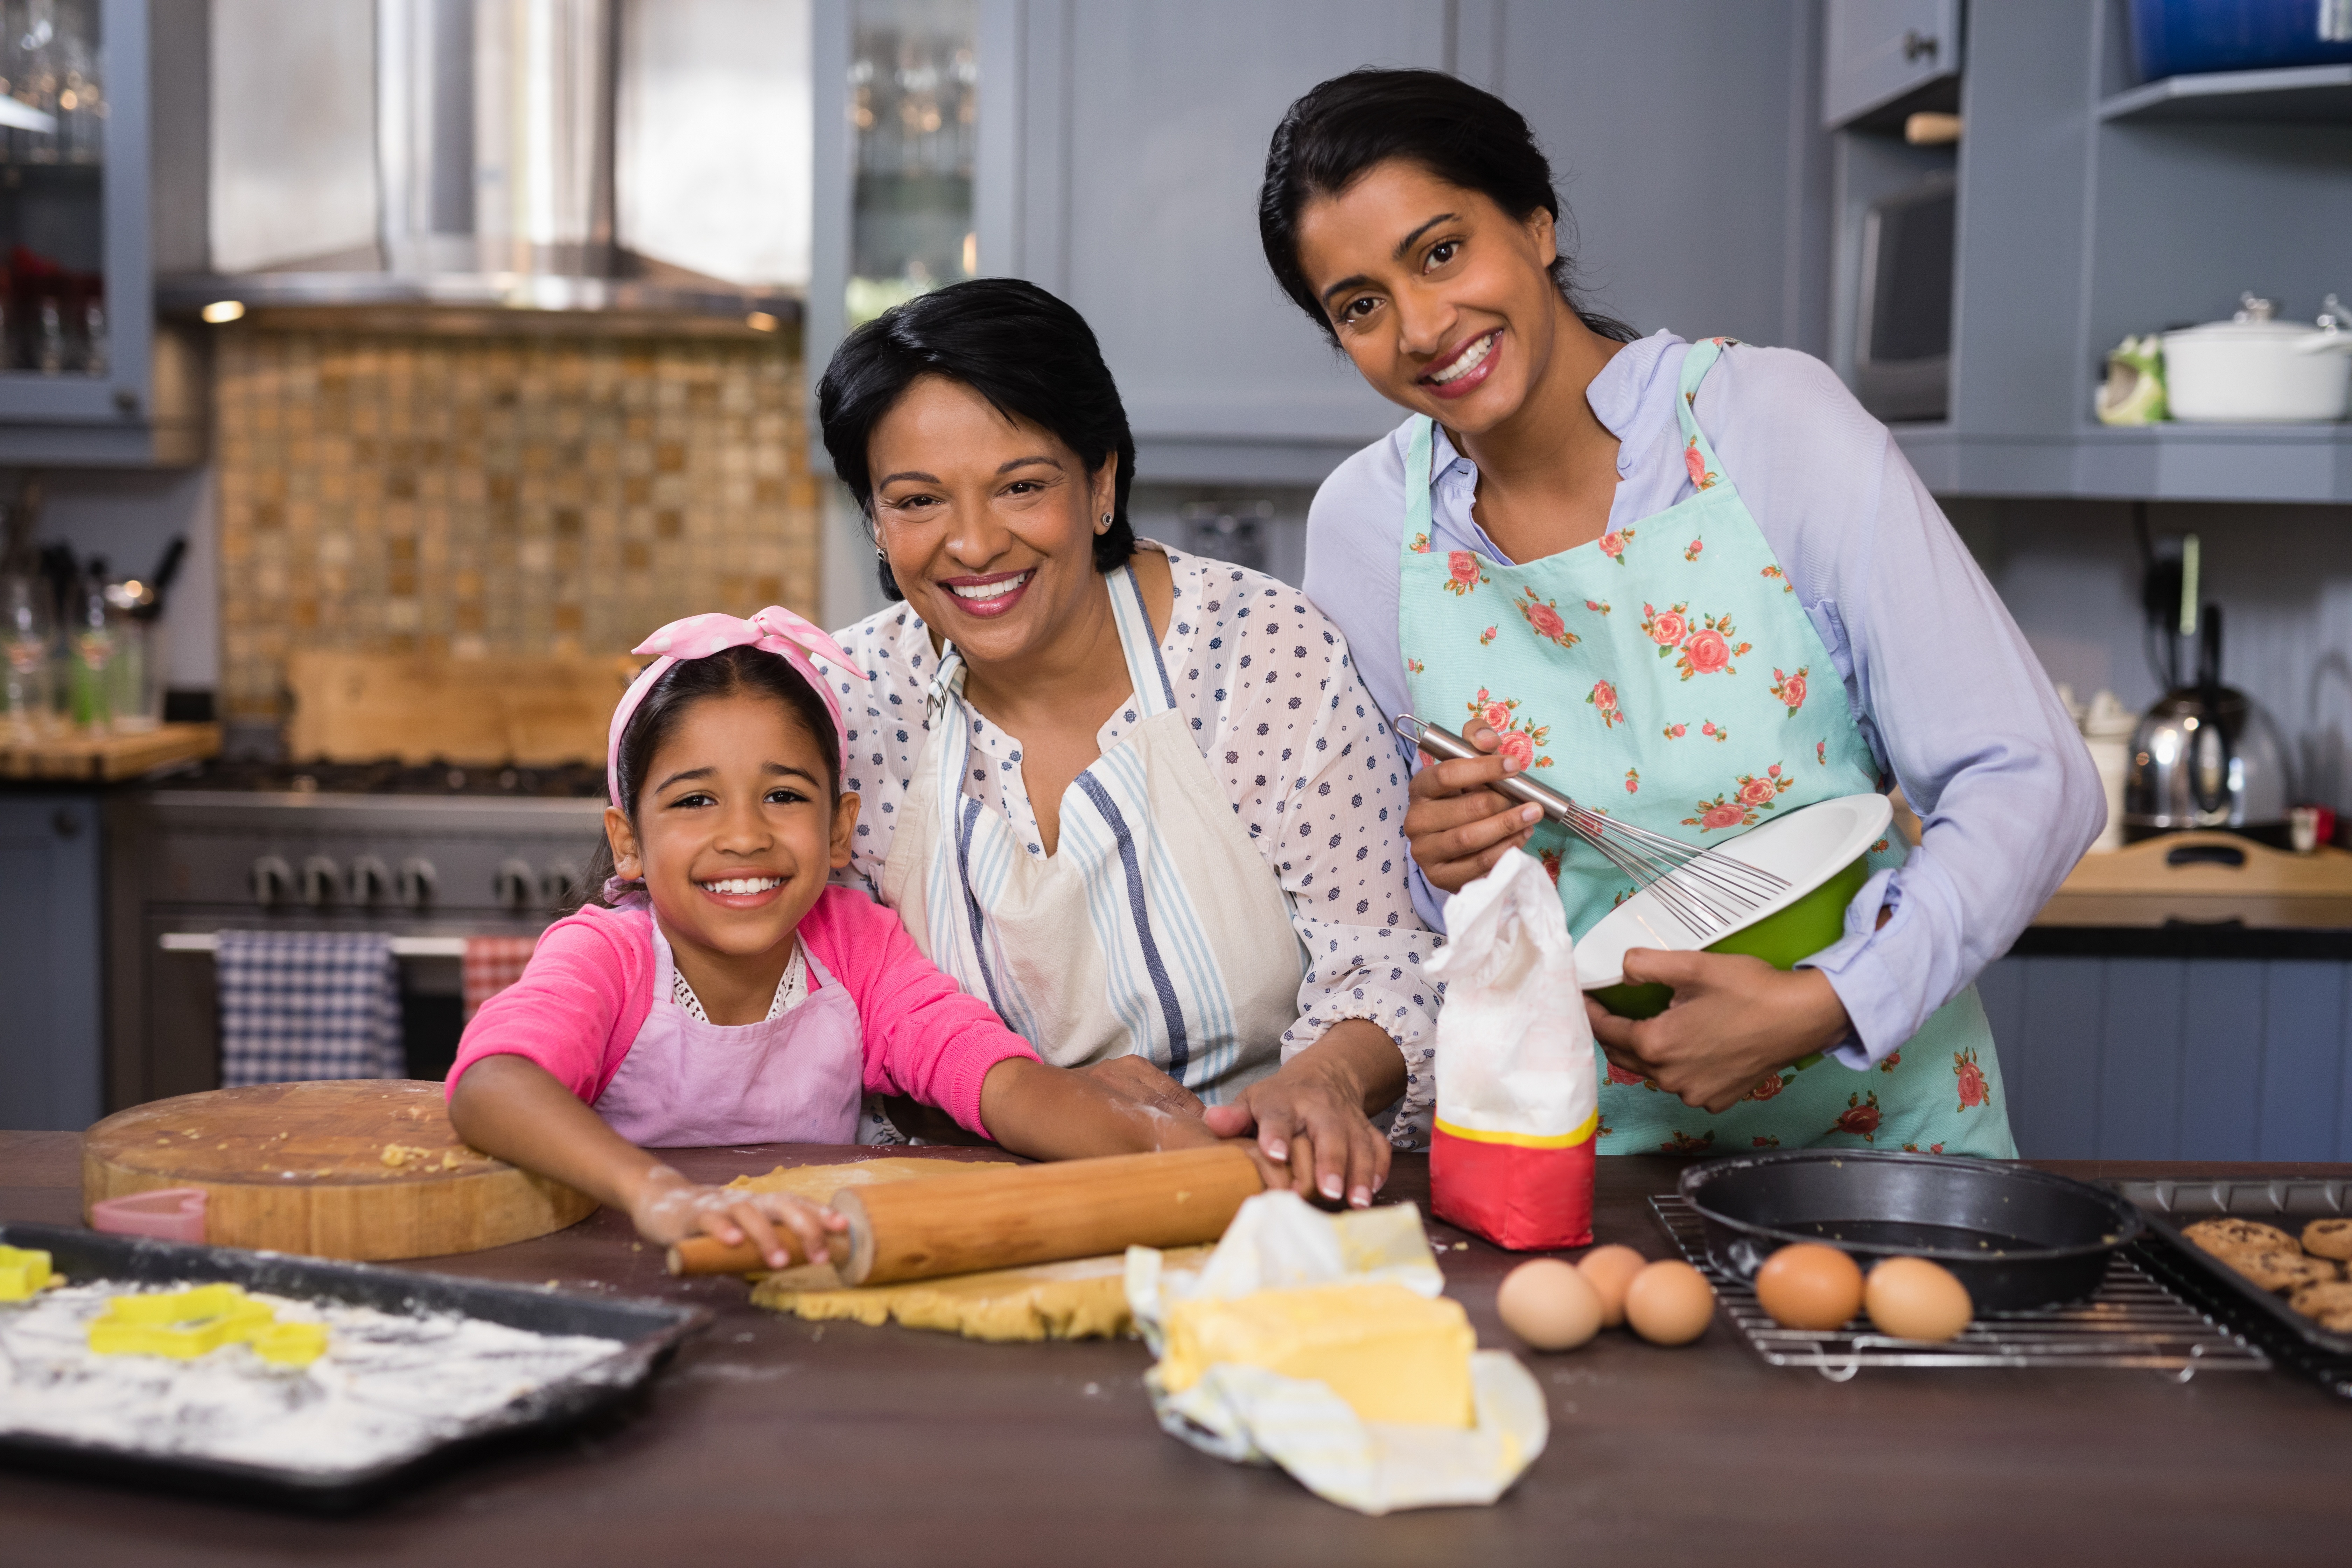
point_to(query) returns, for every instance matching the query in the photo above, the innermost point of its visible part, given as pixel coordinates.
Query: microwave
(1903, 311)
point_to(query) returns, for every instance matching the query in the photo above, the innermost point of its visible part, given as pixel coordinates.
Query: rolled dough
(1083, 1298)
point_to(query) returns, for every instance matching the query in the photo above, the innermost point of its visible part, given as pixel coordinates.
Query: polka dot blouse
(1274, 704)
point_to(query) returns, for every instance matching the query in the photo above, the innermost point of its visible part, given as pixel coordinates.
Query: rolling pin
(1022, 1214)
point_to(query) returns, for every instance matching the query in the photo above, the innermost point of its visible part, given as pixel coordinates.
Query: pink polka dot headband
(773, 630)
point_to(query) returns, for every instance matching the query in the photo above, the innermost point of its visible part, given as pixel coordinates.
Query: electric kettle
(2207, 756)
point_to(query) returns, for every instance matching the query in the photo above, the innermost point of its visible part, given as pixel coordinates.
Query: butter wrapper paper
(1251, 1416)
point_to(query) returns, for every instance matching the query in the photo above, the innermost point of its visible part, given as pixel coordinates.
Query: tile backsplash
(481, 496)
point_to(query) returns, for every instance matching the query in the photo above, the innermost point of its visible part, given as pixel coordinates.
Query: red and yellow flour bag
(1517, 1098)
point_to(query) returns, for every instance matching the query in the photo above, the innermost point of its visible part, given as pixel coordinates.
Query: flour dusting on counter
(389, 1386)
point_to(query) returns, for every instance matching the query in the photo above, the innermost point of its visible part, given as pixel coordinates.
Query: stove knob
(417, 882)
(272, 880)
(369, 882)
(558, 883)
(513, 885)
(319, 876)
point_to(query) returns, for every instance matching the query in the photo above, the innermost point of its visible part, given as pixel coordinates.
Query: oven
(429, 855)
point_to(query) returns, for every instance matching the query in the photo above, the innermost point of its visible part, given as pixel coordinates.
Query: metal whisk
(1708, 893)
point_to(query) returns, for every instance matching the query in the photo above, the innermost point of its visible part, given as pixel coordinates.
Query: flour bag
(1517, 1099)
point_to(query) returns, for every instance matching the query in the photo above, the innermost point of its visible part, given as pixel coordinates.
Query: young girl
(721, 991)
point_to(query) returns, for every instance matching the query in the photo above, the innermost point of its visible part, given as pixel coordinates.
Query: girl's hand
(1457, 826)
(1734, 1020)
(669, 1207)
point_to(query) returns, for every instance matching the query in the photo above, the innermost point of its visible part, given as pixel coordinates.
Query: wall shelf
(2317, 93)
(2276, 463)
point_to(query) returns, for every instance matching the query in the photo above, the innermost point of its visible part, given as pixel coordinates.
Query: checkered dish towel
(493, 963)
(308, 1004)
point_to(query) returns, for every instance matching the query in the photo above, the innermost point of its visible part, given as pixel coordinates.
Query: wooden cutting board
(2204, 879)
(362, 1168)
(358, 707)
(103, 759)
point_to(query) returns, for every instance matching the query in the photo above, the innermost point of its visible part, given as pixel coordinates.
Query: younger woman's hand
(670, 1207)
(1734, 1019)
(1457, 825)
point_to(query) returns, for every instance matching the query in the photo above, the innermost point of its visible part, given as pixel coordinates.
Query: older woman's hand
(1457, 824)
(1312, 1118)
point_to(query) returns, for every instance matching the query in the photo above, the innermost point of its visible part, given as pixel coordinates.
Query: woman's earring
(1104, 526)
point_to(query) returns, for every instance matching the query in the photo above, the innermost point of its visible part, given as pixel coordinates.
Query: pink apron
(687, 1084)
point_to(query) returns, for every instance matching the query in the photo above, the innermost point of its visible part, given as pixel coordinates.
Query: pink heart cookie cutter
(167, 1214)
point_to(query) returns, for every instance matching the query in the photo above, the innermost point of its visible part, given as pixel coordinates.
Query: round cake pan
(2020, 1239)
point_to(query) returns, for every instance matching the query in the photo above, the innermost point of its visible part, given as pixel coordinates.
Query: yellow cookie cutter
(291, 1344)
(24, 1273)
(183, 1324)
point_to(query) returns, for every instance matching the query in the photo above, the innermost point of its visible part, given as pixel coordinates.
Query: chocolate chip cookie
(2281, 1270)
(2224, 1237)
(2327, 1303)
(2328, 1239)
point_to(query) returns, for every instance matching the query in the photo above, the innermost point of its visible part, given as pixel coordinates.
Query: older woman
(1136, 799)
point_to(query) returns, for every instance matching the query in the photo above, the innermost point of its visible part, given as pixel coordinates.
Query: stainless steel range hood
(494, 167)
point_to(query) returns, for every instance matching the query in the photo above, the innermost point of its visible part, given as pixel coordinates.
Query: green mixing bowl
(1799, 932)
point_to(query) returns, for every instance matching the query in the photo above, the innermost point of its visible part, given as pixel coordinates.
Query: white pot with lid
(2251, 369)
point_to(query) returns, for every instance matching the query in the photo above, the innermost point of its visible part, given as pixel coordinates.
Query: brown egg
(1611, 1268)
(1549, 1304)
(1669, 1303)
(1810, 1286)
(1913, 1298)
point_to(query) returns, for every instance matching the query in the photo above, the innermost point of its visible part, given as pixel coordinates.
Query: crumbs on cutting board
(408, 1157)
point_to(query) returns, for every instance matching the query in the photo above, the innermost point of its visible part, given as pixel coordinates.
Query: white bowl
(1806, 847)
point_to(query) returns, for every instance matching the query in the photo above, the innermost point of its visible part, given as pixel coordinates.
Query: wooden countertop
(774, 1440)
(109, 759)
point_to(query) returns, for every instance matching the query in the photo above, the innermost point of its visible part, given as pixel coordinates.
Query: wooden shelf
(2316, 93)
(2281, 463)
(109, 759)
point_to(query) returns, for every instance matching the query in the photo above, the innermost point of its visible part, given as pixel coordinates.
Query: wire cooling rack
(2131, 1321)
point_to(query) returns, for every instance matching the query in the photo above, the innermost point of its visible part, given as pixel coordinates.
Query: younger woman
(1692, 579)
(720, 991)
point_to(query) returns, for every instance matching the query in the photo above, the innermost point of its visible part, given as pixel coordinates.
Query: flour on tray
(388, 1387)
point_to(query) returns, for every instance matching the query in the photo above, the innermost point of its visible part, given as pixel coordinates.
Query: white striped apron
(1155, 927)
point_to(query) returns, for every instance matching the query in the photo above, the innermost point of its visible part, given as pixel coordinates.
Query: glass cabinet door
(74, 305)
(913, 120)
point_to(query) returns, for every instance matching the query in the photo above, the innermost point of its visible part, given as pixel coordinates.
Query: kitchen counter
(109, 759)
(773, 1440)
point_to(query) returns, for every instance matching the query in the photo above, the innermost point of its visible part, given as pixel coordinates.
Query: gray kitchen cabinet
(1877, 51)
(1120, 144)
(2092, 205)
(1145, 131)
(49, 962)
(1680, 134)
(2175, 1059)
(86, 375)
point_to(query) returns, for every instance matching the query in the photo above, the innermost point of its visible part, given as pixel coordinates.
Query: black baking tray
(645, 1335)
(2019, 1238)
(2262, 1315)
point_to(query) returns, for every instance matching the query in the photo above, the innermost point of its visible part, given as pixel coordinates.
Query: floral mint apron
(1663, 672)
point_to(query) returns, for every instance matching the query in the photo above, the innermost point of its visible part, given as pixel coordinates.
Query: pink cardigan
(589, 983)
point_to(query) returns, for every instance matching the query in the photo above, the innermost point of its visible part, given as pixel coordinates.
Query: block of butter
(1391, 1355)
